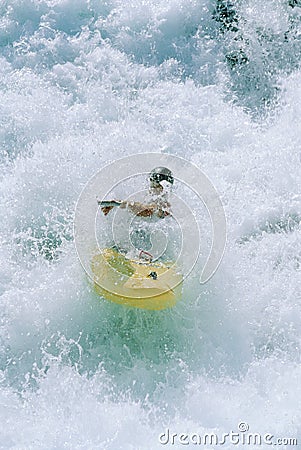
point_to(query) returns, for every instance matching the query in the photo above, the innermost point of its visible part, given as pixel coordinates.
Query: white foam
(78, 372)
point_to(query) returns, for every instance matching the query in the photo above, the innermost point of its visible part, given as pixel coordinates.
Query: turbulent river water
(83, 83)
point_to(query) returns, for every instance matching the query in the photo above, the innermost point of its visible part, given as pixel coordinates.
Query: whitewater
(83, 83)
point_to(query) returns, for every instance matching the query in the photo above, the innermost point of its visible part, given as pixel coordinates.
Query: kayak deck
(145, 285)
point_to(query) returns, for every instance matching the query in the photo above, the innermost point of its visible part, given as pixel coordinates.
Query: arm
(146, 209)
(137, 208)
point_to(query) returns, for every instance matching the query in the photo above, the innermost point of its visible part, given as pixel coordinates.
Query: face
(156, 187)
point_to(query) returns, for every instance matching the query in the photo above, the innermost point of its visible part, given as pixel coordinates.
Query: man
(158, 206)
(155, 207)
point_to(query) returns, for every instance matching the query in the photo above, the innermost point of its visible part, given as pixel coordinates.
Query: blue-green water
(86, 82)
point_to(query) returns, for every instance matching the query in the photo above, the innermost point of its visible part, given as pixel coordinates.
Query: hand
(163, 213)
(123, 204)
(106, 209)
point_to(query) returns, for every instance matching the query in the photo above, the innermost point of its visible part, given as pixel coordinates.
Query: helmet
(160, 174)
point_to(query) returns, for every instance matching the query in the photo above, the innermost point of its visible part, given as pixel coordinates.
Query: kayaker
(157, 204)
(147, 215)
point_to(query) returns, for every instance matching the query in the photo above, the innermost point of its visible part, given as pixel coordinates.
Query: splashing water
(86, 82)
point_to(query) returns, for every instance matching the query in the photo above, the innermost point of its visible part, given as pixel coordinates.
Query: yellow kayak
(132, 282)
